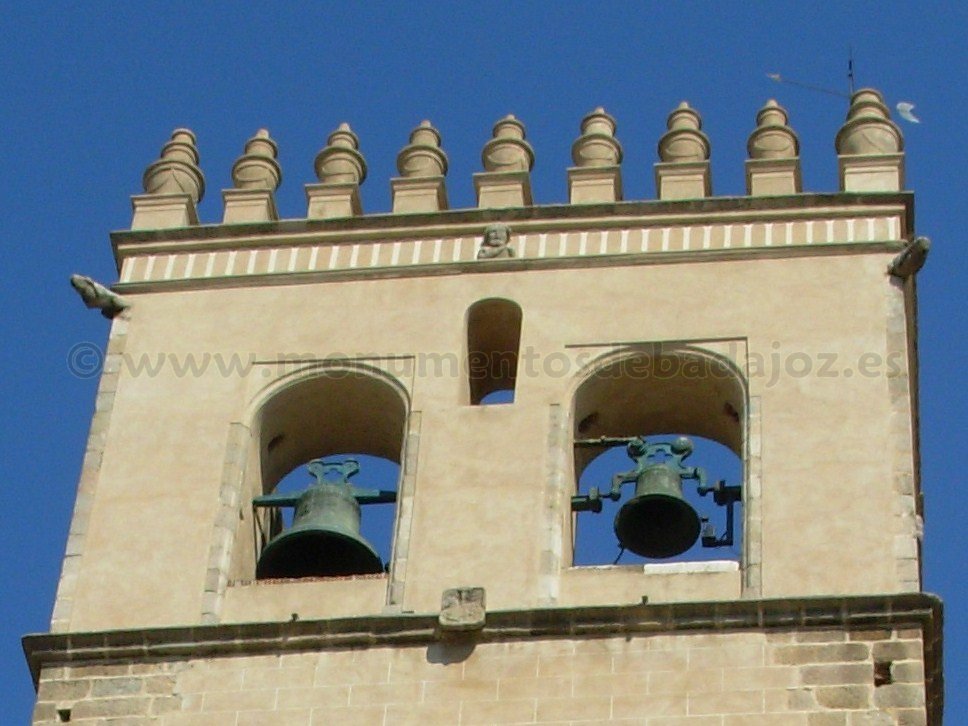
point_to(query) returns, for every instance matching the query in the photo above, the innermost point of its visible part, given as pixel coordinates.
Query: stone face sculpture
(496, 243)
(96, 295)
(911, 258)
(257, 168)
(177, 171)
(772, 138)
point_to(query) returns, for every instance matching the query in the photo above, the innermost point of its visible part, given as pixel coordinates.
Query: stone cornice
(531, 219)
(885, 611)
(561, 237)
(507, 265)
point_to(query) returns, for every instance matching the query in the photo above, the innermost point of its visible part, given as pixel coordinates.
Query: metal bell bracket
(724, 496)
(319, 468)
(670, 455)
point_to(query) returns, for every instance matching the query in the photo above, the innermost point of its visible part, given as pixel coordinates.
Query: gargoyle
(96, 295)
(911, 258)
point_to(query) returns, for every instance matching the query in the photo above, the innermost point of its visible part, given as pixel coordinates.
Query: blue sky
(90, 91)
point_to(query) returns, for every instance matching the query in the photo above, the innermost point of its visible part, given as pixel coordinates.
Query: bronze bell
(324, 539)
(657, 521)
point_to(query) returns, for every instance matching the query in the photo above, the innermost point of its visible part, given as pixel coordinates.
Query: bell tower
(340, 466)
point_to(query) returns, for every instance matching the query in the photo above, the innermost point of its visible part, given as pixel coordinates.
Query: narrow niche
(493, 342)
(657, 451)
(329, 448)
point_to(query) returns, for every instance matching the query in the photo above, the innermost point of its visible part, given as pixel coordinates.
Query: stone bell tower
(487, 356)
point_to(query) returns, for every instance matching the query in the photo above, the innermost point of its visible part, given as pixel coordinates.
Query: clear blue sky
(90, 91)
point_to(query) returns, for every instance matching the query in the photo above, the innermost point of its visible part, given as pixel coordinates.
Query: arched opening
(306, 436)
(660, 395)
(493, 341)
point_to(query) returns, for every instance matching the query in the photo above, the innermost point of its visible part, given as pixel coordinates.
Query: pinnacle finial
(508, 150)
(422, 157)
(257, 168)
(177, 170)
(684, 141)
(340, 160)
(597, 145)
(868, 128)
(772, 138)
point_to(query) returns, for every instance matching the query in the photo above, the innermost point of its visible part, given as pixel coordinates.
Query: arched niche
(493, 342)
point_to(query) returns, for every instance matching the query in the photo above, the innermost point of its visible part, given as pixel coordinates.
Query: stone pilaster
(163, 211)
(340, 168)
(255, 176)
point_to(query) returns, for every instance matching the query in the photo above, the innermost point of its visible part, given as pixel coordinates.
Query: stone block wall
(801, 677)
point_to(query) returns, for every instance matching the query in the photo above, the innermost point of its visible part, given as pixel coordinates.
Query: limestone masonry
(489, 355)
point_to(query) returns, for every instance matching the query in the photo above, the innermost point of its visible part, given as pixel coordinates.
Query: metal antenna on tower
(850, 69)
(904, 108)
(819, 89)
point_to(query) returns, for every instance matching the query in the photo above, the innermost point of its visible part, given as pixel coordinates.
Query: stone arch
(671, 389)
(660, 389)
(327, 410)
(317, 411)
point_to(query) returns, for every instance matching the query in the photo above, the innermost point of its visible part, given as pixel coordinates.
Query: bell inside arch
(657, 522)
(324, 539)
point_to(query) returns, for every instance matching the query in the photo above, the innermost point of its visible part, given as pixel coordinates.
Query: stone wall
(802, 677)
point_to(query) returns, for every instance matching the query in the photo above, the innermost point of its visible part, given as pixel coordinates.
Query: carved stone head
(496, 242)
(496, 235)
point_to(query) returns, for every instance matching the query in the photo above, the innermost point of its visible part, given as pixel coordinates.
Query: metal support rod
(362, 496)
(724, 496)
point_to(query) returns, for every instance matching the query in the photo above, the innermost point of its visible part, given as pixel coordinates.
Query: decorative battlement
(869, 147)
(421, 235)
